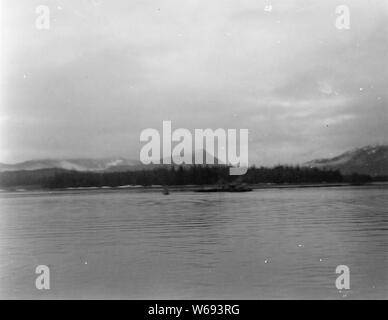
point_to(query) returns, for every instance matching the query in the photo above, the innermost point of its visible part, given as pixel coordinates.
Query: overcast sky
(105, 70)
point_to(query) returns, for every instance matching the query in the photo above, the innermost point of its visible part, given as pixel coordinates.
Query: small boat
(165, 191)
(232, 187)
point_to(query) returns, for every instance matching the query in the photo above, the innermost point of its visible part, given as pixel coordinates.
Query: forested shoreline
(175, 175)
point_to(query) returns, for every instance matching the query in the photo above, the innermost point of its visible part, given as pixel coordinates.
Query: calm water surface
(274, 243)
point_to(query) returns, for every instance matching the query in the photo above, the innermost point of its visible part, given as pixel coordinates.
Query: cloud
(108, 69)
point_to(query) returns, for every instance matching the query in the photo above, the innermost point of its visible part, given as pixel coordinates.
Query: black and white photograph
(192, 150)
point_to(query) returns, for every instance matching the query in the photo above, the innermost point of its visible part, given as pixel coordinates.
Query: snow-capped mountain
(72, 164)
(371, 160)
(106, 164)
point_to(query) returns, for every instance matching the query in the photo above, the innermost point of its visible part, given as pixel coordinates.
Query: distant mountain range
(370, 160)
(95, 165)
(107, 164)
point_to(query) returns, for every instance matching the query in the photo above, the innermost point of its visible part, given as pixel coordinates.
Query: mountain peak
(207, 158)
(370, 159)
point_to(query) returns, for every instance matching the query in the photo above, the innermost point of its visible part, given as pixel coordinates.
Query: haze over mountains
(371, 160)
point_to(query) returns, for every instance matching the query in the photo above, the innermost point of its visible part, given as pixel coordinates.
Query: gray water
(273, 243)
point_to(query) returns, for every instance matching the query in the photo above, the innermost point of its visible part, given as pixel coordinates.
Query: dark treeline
(192, 175)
